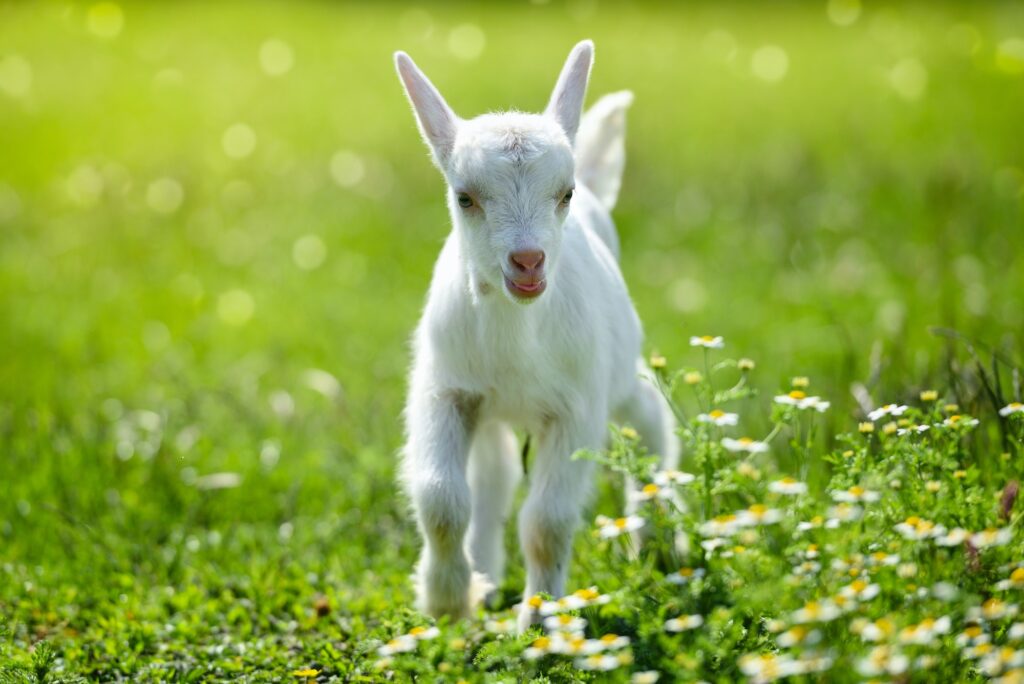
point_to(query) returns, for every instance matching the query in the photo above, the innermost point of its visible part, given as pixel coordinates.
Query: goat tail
(601, 146)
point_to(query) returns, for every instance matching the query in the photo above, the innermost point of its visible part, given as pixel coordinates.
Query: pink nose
(527, 260)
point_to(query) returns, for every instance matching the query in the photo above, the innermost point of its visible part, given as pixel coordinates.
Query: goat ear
(436, 120)
(566, 102)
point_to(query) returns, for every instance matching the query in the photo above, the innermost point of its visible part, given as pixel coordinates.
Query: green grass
(823, 224)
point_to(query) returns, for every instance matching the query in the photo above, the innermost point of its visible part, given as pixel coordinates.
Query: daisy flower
(758, 514)
(916, 529)
(684, 575)
(798, 636)
(799, 399)
(603, 663)
(710, 545)
(991, 537)
(707, 341)
(645, 677)
(581, 598)
(856, 494)
(611, 641)
(720, 526)
(812, 524)
(925, 632)
(1016, 580)
(540, 647)
(879, 630)
(955, 537)
(650, 491)
(913, 428)
(684, 623)
(400, 644)
(887, 410)
(992, 609)
(841, 513)
(1012, 407)
(789, 486)
(958, 421)
(999, 660)
(1016, 631)
(972, 636)
(564, 623)
(860, 590)
(745, 444)
(768, 667)
(883, 558)
(663, 478)
(719, 417)
(816, 611)
(613, 527)
(883, 660)
(506, 626)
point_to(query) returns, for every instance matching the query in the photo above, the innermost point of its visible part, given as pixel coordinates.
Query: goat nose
(527, 260)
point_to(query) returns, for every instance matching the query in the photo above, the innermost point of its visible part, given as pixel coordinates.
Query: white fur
(559, 366)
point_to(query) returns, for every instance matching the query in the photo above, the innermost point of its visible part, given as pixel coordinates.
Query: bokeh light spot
(15, 75)
(308, 252)
(165, 195)
(85, 185)
(1010, 56)
(105, 19)
(843, 12)
(276, 57)
(239, 141)
(467, 41)
(347, 168)
(909, 79)
(770, 63)
(235, 307)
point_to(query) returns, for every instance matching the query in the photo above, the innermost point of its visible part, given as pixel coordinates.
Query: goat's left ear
(566, 104)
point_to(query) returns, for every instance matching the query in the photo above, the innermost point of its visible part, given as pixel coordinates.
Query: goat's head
(510, 176)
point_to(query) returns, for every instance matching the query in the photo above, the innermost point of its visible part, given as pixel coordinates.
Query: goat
(528, 324)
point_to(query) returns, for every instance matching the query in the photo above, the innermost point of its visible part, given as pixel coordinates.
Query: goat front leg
(550, 515)
(440, 426)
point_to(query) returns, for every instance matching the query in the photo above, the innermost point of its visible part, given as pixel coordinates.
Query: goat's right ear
(436, 120)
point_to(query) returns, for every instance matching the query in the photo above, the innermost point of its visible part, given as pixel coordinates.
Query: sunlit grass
(217, 224)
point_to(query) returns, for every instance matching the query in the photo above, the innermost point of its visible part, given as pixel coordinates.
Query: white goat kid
(528, 323)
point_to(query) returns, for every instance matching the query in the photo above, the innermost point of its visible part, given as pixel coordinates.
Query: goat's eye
(567, 197)
(465, 201)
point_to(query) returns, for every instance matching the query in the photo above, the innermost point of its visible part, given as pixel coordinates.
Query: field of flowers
(903, 565)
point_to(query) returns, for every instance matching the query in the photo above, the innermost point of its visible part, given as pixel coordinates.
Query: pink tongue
(528, 288)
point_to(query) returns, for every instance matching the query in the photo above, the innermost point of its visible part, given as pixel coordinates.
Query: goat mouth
(525, 290)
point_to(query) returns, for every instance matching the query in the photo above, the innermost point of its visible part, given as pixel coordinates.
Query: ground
(217, 224)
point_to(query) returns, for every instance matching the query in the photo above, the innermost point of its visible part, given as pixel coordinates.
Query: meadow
(217, 225)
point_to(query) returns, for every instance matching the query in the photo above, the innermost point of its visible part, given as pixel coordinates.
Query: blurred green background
(217, 224)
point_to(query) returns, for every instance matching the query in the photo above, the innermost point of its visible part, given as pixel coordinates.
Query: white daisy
(663, 478)
(613, 527)
(841, 513)
(684, 623)
(816, 611)
(720, 526)
(707, 341)
(789, 486)
(883, 660)
(799, 399)
(758, 514)
(564, 623)
(685, 575)
(768, 667)
(887, 410)
(719, 417)
(992, 537)
(958, 421)
(955, 537)
(1012, 407)
(745, 444)
(916, 529)
(856, 494)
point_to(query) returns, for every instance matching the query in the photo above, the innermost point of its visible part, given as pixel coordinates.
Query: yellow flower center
(417, 630)
(542, 643)
(973, 632)
(956, 418)
(788, 480)
(745, 440)
(586, 594)
(797, 394)
(812, 548)
(1015, 406)
(707, 338)
(812, 609)
(758, 509)
(716, 413)
(856, 491)
(565, 619)
(651, 489)
(859, 586)
(534, 601)
(621, 522)
(686, 572)
(1017, 576)
(913, 520)
(609, 638)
